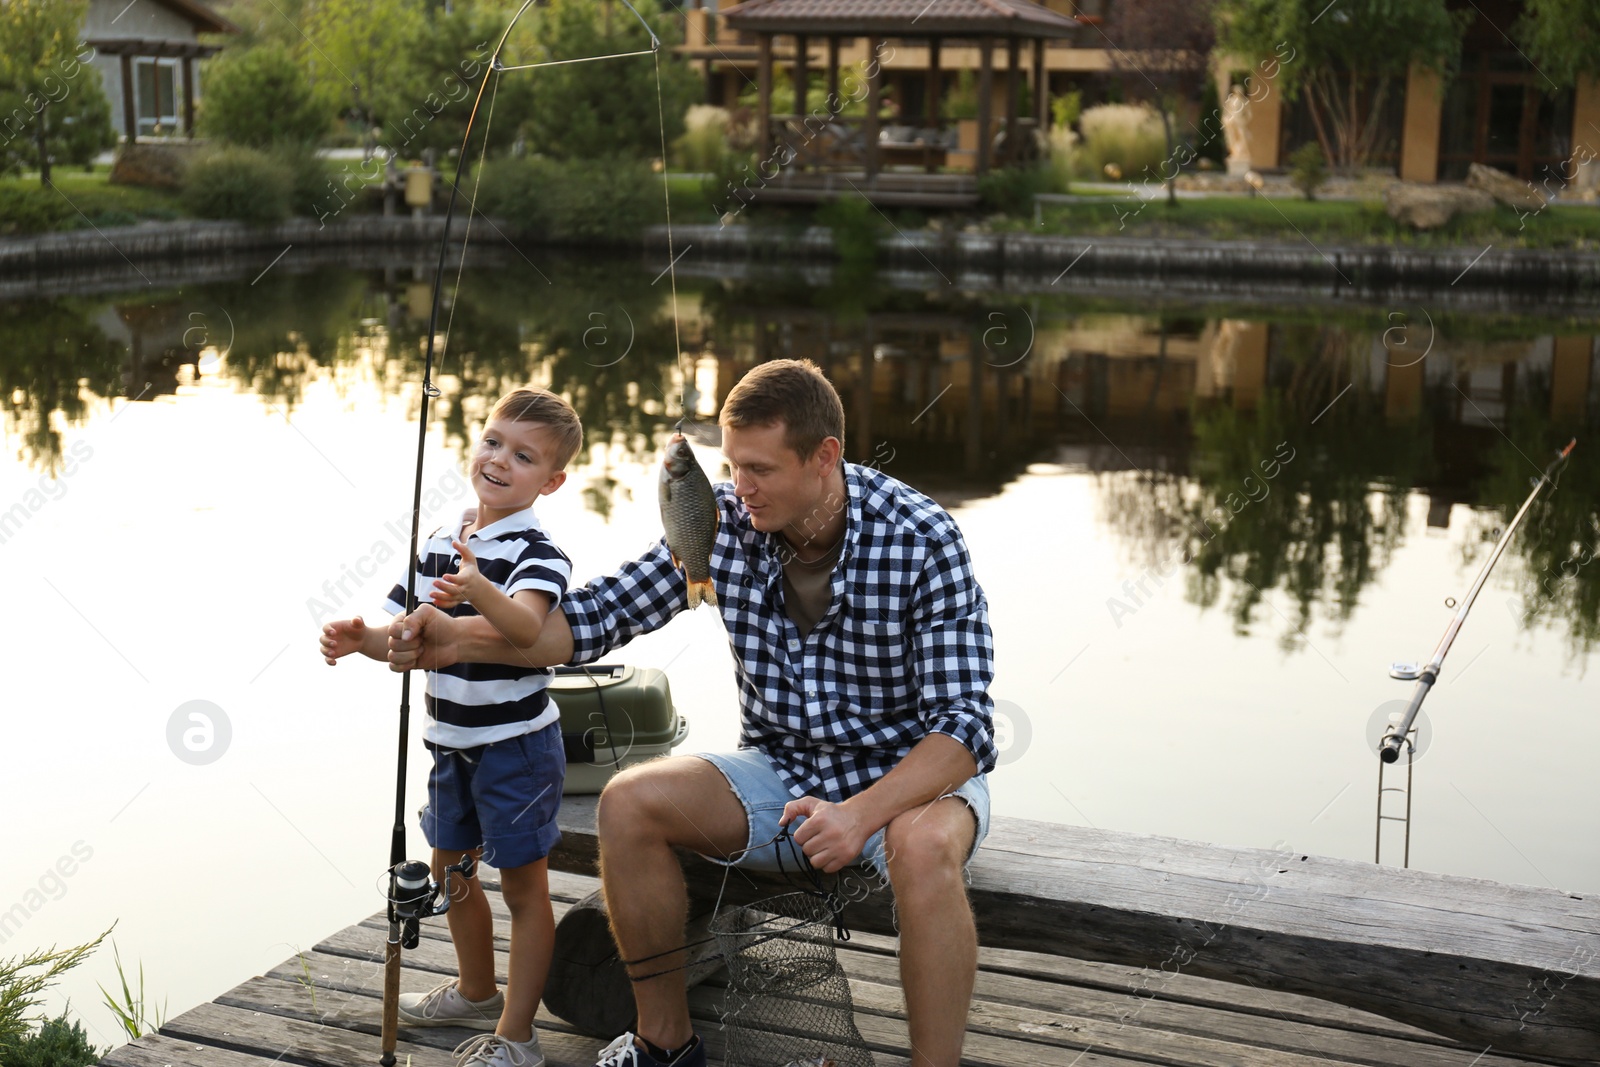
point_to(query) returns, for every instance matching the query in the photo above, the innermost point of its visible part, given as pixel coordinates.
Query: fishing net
(788, 1001)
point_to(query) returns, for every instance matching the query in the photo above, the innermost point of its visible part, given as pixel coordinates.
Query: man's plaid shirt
(903, 651)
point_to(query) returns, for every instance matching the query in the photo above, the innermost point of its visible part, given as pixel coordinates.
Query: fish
(689, 515)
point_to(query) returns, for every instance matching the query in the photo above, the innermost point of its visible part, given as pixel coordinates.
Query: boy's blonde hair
(549, 410)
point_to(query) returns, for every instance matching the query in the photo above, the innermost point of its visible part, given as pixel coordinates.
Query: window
(156, 93)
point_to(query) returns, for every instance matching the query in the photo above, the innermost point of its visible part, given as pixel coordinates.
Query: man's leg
(644, 812)
(927, 848)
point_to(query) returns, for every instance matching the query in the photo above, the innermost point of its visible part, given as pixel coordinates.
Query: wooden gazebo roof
(902, 18)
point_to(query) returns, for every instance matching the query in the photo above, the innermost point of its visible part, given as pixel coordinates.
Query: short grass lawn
(1339, 221)
(79, 199)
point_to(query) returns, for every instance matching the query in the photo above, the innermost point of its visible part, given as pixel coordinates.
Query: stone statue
(1236, 130)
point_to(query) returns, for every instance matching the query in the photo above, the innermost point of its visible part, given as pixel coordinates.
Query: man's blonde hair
(793, 392)
(549, 410)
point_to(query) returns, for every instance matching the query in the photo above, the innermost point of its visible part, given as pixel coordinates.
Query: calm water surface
(1205, 529)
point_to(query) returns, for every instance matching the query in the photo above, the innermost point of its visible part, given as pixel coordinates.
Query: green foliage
(1562, 38)
(52, 108)
(448, 66)
(24, 979)
(1066, 108)
(857, 228)
(259, 98)
(239, 183)
(1012, 189)
(607, 109)
(58, 1043)
(961, 101)
(704, 141)
(1308, 169)
(1345, 57)
(573, 199)
(369, 43)
(30, 210)
(136, 1016)
(309, 176)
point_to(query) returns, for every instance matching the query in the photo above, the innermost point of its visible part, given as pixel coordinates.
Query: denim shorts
(503, 796)
(764, 795)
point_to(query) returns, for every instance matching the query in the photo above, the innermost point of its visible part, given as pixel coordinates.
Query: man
(862, 646)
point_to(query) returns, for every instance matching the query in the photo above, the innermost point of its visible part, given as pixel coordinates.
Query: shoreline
(1049, 260)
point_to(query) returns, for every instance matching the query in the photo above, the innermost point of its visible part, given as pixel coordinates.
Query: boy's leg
(471, 927)
(644, 812)
(927, 848)
(533, 933)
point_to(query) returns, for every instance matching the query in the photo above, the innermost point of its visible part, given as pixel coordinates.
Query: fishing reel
(414, 895)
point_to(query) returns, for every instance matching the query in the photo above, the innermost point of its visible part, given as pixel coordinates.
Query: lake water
(1206, 525)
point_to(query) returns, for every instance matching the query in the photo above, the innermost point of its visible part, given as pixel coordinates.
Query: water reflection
(1237, 452)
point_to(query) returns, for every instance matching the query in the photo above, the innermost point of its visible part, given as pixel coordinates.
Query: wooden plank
(1515, 967)
(160, 1050)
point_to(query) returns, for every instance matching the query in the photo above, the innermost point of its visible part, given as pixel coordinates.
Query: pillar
(130, 114)
(1419, 137)
(930, 95)
(985, 102)
(1013, 95)
(835, 105)
(764, 94)
(874, 85)
(1583, 169)
(188, 96)
(1041, 87)
(802, 76)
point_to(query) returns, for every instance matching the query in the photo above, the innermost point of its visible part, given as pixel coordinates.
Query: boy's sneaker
(492, 1050)
(445, 1006)
(625, 1052)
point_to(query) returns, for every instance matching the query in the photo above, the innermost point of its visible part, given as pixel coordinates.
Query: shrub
(260, 97)
(705, 139)
(575, 199)
(30, 209)
(1308, 169)
(58, 1043)
(1011, 189)
(239, 183)
(309, 176)
(1127, 137)
(857, 228)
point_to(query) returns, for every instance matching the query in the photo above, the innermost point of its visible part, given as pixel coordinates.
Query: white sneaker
(445, 1006)
(492, 1050)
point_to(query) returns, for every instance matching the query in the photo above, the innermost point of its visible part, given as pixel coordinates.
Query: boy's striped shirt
(471, 704)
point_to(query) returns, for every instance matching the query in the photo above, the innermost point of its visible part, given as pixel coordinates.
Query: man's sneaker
(445, 1006)
(492, 1050)
(624, 1052)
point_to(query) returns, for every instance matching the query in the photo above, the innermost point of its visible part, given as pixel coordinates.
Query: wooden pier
(1466, 957)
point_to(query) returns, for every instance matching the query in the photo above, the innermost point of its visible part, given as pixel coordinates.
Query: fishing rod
(413, 895)
(1395, 737)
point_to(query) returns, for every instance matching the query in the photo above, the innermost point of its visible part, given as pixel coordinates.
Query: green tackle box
(612, 716)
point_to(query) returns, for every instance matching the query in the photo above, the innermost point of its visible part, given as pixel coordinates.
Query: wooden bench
(1512, 967)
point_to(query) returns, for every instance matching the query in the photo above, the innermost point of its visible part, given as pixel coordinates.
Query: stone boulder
(1511, 191)
(160, 165)
(1424, 206)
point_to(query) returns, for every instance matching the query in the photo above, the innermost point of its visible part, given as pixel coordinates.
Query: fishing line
(672, 261)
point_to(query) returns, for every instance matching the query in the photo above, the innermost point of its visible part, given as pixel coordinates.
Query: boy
(494, 734)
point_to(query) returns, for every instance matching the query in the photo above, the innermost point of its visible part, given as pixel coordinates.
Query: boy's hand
(341, 638)
(459, 588)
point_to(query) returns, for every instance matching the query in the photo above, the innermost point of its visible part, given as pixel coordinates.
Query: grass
(1336, 221)
(133, 1013)
(93, 199)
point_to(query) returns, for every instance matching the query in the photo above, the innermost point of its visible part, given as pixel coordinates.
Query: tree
(51, 105)
(260, 98)
(1562, 38)
(1165, 45)
(595, 110)
(1346, 57)
(363, 54)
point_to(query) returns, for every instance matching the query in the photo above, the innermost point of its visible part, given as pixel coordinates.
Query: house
(146, 53)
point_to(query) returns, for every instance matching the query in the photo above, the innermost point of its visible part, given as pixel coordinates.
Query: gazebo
(920, 159)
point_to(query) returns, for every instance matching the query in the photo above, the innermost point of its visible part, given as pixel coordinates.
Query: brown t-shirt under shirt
(808, 589)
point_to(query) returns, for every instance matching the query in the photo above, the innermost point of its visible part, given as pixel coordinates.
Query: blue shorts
(764, 795)
(503, 796)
